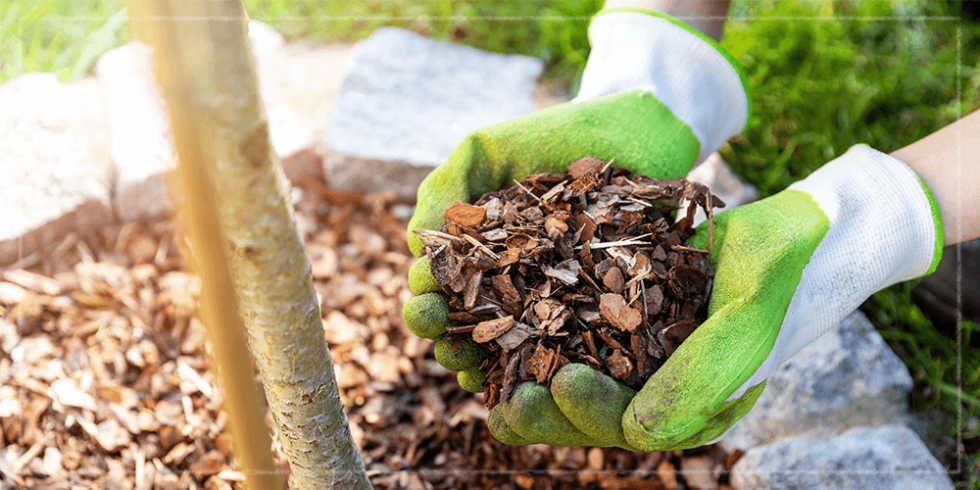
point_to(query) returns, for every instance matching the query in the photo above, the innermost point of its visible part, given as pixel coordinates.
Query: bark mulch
(104, 381)
(584, 267)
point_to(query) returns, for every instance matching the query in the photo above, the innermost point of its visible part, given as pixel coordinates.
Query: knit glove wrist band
(884, 228)
(694, 77)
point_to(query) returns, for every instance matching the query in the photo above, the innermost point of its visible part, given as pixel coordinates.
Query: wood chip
(619, 365)
(680, 331)
(540, 363)
(613, 280)
(66, 392)
(32, 281)
(514, 337)
(567, 271)
(488, 330)
(464, 214)
(584, 166)
(614, 309)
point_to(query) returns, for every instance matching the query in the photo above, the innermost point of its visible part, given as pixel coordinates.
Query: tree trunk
(205, 69)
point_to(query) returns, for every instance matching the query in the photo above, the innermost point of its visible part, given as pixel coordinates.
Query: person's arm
(707, 16)
(948, 161)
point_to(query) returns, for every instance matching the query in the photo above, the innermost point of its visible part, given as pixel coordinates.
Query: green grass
(823, 76)
(821, 85)
(64, 37)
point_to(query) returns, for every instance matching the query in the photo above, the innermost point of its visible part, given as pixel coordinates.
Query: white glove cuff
(884, 229)
(684, 71)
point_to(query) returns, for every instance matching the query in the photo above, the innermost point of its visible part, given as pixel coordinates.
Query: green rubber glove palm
(787, 269)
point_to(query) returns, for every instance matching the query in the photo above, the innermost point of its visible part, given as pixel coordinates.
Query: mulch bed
(104, 382)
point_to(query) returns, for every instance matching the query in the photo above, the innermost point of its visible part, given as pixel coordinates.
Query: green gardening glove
(633, 127)
(656, 96)
(787, 270)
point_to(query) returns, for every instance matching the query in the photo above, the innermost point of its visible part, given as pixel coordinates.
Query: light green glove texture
(759, 254)
(761, 250)
(632, 127)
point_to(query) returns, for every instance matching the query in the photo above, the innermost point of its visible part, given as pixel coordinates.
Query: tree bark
(205, 69)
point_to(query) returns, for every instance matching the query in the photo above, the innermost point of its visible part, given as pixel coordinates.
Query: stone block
(889, 457)
(142, 147)
(848, 377)
(307, 79)
(407, 101)
(54, 159)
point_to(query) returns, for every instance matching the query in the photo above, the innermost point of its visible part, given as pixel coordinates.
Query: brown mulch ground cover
(104, 382)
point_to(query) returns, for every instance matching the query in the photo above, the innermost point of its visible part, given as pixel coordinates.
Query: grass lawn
(823, 76)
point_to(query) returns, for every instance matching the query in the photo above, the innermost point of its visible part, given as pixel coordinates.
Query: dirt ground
(104, 381)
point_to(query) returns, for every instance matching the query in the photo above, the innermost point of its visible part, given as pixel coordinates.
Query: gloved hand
(632, 126)
(655, 95)
(787, 270)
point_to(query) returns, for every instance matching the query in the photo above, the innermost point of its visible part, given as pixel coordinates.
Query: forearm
(948, 161)
(707, 16)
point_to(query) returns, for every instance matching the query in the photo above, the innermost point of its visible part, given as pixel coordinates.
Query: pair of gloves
(660, 97)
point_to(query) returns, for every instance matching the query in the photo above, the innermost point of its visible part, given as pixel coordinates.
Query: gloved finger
(459, 353)
(725, 417)
(451, 182)
(533, 414)
(420, 279)
(426, 315)
(471, 380)
(678, 401)
(501, 431)
(758, 267)
(593, 402)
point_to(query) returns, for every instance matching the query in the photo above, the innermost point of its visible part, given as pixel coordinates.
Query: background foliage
(823, 76)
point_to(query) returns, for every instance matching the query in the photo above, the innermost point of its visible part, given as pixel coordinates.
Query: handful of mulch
(573, 268)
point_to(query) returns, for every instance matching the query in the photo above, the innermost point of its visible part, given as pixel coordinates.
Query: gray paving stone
(407, 101)
(54, 158)
(889, 457)
(849, 377)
